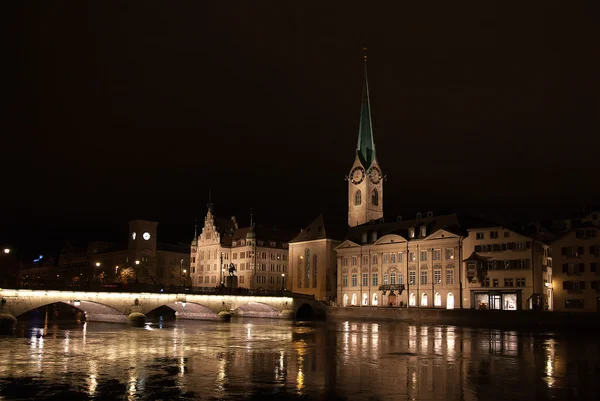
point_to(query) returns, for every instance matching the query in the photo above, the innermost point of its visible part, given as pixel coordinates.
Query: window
(437, 254)
(412, 299)
(193, 259)
(523, 264)
(506, 234)
(412, 278)
(411, 256)
(574, 285)
(345, 261)
(423, 256)
(593, 267)
(357, 198)
(519, 246)
(478, 235)
(365, 279)
(375, 279)
(423, 277)
(493, 234)
(375, 198)
(495, 282)
(354, 279)
(400, 278)
(449, 253)
(520, 281)
(232, 257)
(242, 266)
(423, 231)
(437, 277)
(423, 299)
(354, 260)
(450, 276)
(385, 279)
(365, 260)
(213, 279)
(393, 278)
(508, 282)
(392, 258)
(574, 303)
(385, 258)
(485, 282)
(344, 280)
(374, 260)
(437, 299)
(272, 267)
(399, 257)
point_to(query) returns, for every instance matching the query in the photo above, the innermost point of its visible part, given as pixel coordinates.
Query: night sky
(122, 110)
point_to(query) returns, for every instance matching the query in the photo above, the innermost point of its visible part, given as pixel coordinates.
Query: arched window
(450, 301)
(423, 299)
(385, 278)
(393, 278)
(437, 299)
(412, 300)
(354, 300)
(375, 300)
(345, 300)
(375, 197)
(358, 198)
(365, 300)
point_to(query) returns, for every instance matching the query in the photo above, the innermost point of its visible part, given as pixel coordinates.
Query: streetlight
(97, 264)
(7, 250)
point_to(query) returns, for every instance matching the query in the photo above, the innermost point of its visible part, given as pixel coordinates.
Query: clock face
(133, 235)
(357, 175)
(375, 175)
(146, 236)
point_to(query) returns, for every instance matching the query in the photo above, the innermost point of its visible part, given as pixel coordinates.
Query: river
(258, 359)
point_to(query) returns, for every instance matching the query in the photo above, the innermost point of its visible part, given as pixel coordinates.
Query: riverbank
(469, 317)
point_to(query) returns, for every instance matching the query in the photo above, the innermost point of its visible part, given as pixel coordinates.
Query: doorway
(495, 302)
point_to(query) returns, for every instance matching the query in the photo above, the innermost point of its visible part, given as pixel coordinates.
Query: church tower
(365, 181)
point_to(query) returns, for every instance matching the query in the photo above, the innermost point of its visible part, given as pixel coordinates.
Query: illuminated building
(260, 255)
(576, 256)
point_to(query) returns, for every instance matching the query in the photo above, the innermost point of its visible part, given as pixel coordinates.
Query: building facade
(506, 270)
(576, 281)
(259, 255)
(313, 267)
(412, 263)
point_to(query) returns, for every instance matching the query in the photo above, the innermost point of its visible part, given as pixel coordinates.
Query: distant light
(41, 256)
(184, 270)
(77, 303)
(282, 274)
(137, 262)
(97, 264)
(6, 250)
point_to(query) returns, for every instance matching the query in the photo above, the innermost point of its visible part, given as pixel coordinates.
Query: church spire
(366, 145)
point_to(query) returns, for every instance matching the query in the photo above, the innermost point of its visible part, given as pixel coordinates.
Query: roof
(365, 147)
(475, 257)
(579, 227)
(261, 233)
(323, 227)
(448, 222)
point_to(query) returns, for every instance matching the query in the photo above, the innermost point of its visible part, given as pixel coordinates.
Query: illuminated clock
(146, 236)
(375, 175)
(357, 175)
(133, 235)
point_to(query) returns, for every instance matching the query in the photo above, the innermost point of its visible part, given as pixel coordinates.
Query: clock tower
(365, 181)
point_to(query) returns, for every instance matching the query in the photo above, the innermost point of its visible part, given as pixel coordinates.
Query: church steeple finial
(366, 145)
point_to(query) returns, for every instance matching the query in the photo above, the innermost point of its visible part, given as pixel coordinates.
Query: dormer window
(234, 243)
(423, 231)
(242, 243)
(411, 232)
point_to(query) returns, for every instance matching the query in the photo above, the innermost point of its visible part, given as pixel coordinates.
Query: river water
(274, 359)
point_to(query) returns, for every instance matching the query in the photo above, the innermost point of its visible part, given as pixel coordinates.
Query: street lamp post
(137, 271)
(184, 276)
(282, 282)
(221, 269)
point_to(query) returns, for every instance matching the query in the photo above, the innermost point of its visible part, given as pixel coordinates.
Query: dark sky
(119, 110)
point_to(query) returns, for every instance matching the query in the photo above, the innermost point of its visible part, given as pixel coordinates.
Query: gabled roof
(323, 227)
(582, 226)
(449, 222)
(475, 257)
(261, 234)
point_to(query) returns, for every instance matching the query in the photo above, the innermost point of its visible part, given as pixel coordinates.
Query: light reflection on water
(258, 359)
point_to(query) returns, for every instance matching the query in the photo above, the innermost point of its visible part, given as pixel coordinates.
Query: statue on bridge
(232, 270)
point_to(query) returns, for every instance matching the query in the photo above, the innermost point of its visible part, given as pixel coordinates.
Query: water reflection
(254, 359)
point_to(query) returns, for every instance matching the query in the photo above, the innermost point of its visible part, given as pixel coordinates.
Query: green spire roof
(366, 145)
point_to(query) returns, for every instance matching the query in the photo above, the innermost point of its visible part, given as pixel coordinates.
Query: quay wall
(525, 319)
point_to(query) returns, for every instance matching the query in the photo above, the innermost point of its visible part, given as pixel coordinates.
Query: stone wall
(468, 317)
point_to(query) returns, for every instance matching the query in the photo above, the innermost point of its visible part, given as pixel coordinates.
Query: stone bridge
(118, 306)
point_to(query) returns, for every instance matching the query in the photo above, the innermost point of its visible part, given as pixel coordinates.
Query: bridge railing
(152, 288)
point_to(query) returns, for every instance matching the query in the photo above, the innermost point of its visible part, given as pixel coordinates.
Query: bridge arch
(93, 311)
(257, 309)
(189, 310)
(305, 312)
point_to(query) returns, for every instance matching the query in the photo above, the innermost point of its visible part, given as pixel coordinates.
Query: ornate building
(260, 255)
